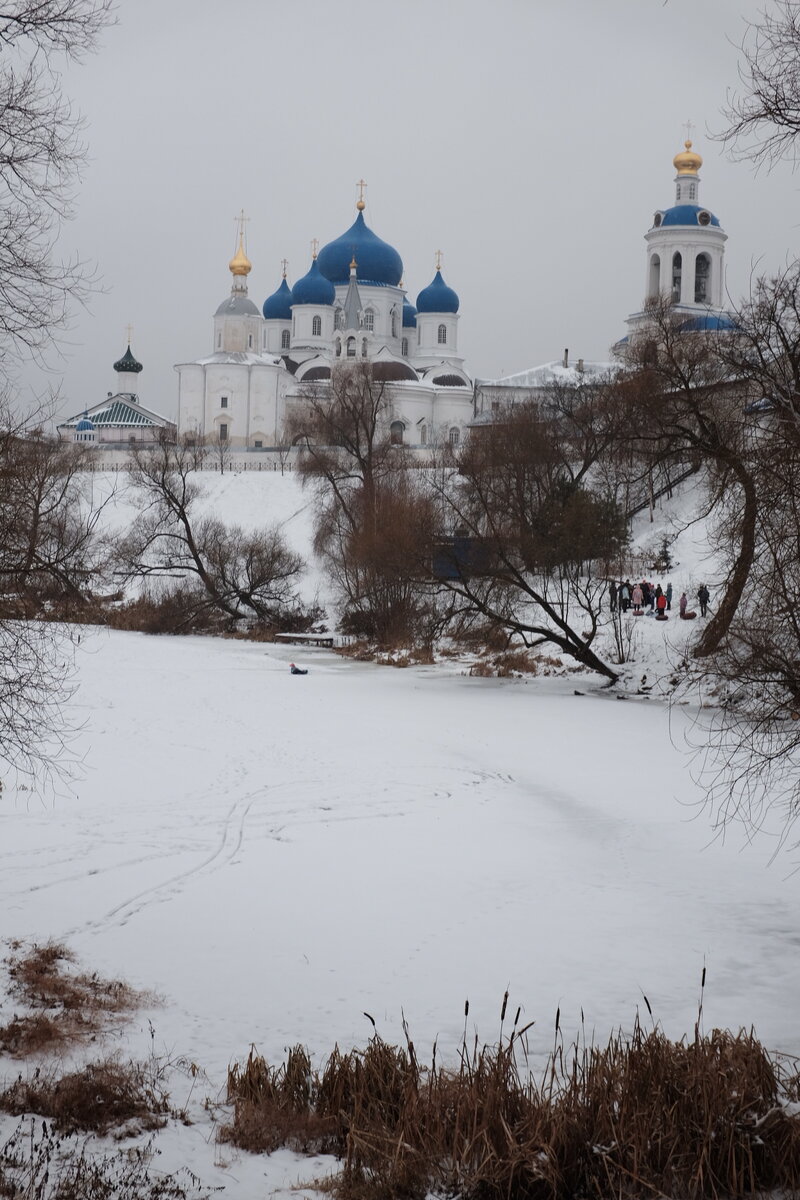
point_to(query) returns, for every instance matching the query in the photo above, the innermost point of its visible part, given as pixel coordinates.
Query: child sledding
(293, 670)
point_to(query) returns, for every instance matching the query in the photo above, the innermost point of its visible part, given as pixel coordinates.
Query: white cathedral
(350, 306)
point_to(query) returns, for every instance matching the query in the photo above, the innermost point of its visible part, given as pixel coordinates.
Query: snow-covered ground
(277, 855)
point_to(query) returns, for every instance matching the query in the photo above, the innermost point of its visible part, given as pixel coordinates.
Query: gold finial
(353, 263)
(687, 162)
(284, 265)
(360, 205)
(439, 260)
(314, 247)
(240, 264)
(129, 331)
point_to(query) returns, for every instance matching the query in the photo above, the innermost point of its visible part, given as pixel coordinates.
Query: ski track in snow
(273, 823)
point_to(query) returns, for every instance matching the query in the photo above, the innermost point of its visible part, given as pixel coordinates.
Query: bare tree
(219, 452)
(687, 403)
(240, 574)
(50, 547)
(40, 156)
(374, 524)
(764, 116)
(530, 535)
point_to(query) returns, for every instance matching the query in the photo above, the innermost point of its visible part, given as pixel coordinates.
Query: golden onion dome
(687, 162)
(240, 264)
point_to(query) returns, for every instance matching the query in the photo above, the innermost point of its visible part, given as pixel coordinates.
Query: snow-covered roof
(248, 358)
(121, 410)
(553, 372)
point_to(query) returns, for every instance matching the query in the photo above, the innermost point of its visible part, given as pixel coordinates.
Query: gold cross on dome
(284, 265)
(439, 256)
(129, 331)
(362, 183)
(688, 126)
(314, 247)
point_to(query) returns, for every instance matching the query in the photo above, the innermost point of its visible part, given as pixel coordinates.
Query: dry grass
(510, 664)
(64, 1004)
(126, 1097)
(642, 1116)
(37, 1163)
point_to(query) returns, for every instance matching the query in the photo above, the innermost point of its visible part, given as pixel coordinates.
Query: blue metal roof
(409, 314)
(377, 262)
(278, 306)
(709, 321)
(437, 297)
(686, 214)
(313, 288)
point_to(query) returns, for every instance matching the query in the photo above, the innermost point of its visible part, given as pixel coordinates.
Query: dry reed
(641, 1116)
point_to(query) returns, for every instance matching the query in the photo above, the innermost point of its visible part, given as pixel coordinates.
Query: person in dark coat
(296, 670)
(668, 594)
(625, 595)
(703, 596)
(612, 596)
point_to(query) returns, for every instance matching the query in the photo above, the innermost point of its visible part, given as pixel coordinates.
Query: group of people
(640, 596)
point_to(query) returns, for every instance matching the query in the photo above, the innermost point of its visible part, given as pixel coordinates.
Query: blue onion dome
(409, 314)
(378, 262)
(84, 425)
(437, 297)
(313, 288)
(128, 363)
(278, 306)
(685, 214)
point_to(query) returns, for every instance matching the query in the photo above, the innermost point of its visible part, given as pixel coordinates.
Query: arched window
(396, 433)
(404, 347)
(654, 287)
(394, 323)
(338, 347)
(285, 339)
(363, 347)
(442, 335)
(702, 278)
(219, 341)
(316, 327)
(369, 320)
(338, 318)
(692, 191)
(351, 347)
(677, 269)
(249, 341)
(454, 436)
(423, 437)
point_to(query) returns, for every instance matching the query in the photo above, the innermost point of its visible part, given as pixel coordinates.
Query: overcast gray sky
(529, 140)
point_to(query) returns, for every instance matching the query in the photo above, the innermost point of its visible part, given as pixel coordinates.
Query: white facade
(339, 312)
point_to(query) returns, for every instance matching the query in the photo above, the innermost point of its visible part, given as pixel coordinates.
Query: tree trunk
(720, 623)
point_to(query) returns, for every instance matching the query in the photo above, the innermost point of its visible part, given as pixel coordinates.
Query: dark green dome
(128, 363)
